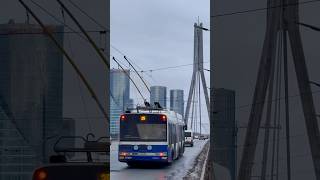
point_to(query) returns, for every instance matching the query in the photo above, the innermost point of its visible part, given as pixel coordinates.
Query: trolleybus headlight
(40, 174)
(149, 147)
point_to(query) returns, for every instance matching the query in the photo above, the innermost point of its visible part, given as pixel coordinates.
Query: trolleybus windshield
(143, 127)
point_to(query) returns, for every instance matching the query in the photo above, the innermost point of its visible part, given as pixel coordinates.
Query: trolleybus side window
(174, 135)
(179, 133)
(170, 132)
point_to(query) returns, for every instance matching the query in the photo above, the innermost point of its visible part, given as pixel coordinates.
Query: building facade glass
(158, 94)
(31, 72)
(120, 93)
(177, 101)
(224, 139)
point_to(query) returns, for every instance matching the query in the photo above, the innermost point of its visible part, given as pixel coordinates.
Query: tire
(178, 153)
(183, 149)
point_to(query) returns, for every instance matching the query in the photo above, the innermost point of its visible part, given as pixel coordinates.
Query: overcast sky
(156, 34)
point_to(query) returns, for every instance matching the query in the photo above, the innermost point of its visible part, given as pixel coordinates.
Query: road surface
(177, 170)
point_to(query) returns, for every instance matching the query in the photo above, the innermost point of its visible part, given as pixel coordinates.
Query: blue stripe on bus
(143, 148)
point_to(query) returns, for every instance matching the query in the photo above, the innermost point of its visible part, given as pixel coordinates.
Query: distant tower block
(159, 94)
(197, 75)
(177, 101)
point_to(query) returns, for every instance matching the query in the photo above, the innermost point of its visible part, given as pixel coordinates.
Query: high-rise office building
(177, 101)
(31, 70)
(158, 94)
(68, 129)
(224, 131)
(17, 157)
(120, 93)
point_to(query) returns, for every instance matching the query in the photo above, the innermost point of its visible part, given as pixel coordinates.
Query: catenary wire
(262, 9)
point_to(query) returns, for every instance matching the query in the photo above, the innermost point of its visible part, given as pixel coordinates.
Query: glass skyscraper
(17, 157)
(120, 93)
(224, 139)
(158, 94)
(31, 72)
(177, 101)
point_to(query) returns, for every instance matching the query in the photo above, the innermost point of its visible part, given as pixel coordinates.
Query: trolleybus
(150, 135)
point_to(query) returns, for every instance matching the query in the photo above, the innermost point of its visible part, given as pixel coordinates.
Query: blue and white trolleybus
(150, 135)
